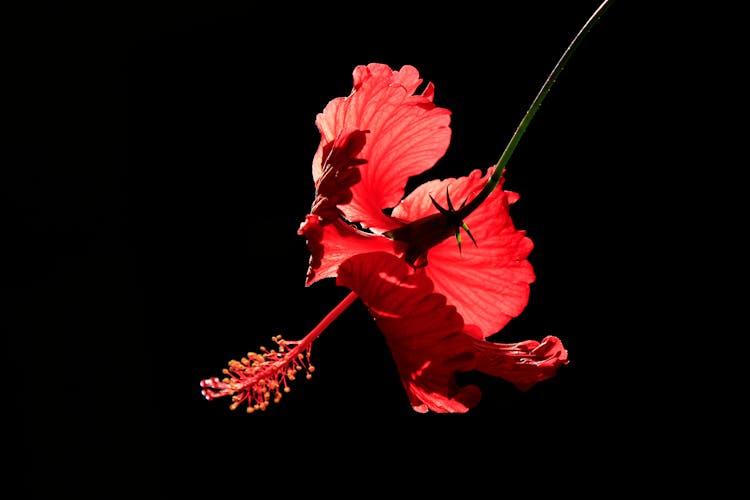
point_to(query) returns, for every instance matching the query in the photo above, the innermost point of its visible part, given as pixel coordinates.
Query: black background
(170, 167)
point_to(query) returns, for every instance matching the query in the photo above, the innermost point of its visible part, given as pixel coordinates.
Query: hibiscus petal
(488, 284)
(331, 244)
(424, 334)
(405, 135)
(430, 342)
(523, 363)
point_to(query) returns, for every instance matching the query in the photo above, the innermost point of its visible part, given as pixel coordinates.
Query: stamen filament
(329, 318)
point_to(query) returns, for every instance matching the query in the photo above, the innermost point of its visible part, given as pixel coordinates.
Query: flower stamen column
(263, 377)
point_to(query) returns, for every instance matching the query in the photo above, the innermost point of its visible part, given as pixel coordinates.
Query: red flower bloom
(435, 304)
(434, 301)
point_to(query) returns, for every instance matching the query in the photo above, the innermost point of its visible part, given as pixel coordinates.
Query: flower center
(423, 234)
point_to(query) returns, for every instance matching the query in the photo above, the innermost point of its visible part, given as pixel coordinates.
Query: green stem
(494, 179)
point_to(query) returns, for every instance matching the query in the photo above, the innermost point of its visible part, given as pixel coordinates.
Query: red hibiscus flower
(435, 301)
